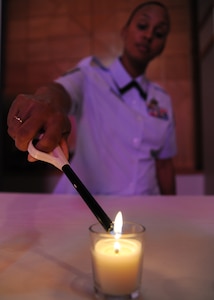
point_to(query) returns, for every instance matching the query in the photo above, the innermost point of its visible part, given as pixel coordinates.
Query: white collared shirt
(118, 137)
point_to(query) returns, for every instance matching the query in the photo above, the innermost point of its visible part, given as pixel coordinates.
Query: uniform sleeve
(73, 83)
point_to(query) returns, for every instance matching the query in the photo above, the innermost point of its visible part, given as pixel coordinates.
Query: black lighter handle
(96, 209)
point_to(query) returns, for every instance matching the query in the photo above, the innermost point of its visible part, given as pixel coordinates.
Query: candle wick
(116, 251)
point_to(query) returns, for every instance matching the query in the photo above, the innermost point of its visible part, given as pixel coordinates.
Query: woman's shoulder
(92, 62)
(158, 88)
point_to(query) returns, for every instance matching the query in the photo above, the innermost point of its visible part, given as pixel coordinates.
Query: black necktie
(134, 84)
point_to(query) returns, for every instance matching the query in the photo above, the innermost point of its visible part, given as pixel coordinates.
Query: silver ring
(18, 119)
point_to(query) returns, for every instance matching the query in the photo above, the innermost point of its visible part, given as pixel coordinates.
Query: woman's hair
(137, 8)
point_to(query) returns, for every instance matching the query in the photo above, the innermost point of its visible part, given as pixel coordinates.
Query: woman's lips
(143, 48)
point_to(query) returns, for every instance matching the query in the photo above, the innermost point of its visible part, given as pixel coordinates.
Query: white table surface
(44, 246)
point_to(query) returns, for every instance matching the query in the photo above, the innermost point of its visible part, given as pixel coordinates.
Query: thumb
(31, 158)
(64, 145)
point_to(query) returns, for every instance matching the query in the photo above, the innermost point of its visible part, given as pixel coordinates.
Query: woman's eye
(160, 35)
(142, 26)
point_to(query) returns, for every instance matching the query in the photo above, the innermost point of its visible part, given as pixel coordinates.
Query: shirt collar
(122, 78)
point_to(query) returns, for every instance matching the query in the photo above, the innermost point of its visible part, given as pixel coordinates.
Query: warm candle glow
(117, 260)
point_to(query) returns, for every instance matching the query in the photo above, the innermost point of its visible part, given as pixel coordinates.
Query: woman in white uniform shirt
(125, 130)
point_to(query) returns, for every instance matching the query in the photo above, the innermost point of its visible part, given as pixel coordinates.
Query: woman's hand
(32, 115)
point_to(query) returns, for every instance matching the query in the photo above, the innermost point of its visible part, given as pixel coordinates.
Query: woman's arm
(166, 176)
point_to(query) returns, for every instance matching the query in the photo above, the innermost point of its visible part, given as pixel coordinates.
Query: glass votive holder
(117, 262)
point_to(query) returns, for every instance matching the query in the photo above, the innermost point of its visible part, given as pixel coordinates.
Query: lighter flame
(118, 224)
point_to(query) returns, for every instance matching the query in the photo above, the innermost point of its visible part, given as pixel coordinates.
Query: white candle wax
(117, 273)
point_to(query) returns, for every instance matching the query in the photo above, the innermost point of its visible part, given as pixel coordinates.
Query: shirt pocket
(155, 132)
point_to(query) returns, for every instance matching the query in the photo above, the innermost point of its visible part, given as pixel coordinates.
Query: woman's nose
(148, 34)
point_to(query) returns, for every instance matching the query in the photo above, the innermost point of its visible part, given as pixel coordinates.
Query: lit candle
(117, 262)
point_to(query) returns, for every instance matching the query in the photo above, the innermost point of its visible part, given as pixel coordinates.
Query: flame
(118, 224)
(116, 247)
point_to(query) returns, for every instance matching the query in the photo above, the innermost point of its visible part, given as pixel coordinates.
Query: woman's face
(145, 37)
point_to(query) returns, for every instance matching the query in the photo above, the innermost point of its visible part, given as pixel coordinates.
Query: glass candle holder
(117, 262)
